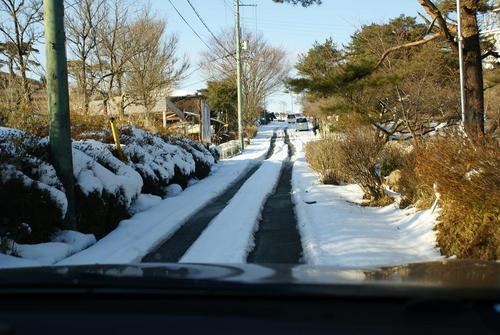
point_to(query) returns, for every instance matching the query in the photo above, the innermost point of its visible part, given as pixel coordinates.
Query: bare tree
(154, 68)
(83, 20)
(115, 48)
(264, 69)
(21, 29)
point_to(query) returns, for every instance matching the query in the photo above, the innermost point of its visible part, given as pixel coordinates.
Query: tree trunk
(13, 94)
(84, 88)
(105, 106)
(26, 86)
(121, 107)
(473, 73)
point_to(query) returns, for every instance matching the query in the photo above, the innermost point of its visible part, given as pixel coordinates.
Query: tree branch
(490, 53)
(436, 15)
(404, 46)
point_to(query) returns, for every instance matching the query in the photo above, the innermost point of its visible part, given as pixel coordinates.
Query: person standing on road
(315, 126)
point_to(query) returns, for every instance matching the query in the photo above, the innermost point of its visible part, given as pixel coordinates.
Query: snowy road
(277, 241)
(235, 216)
(230, 236)
(136, 237)
(177, 245)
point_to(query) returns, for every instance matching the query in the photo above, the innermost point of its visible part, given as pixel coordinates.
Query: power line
(192, 29)
(206, 26)
(211, 60)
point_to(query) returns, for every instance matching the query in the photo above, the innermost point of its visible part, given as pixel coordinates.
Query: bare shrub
(467, 178)
(84, 126)
(391, 158)
(413, 190)
(321, 156)
(250, 131)
(28, 120)
(352, 156)
(358, 155)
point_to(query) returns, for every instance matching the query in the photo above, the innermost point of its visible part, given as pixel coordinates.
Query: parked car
(290, 118)
(301, 123)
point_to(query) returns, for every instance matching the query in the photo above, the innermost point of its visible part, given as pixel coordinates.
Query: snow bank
(335, 230)
(173, 190)
(142, 233)
(144, 202)
(230, 236)
(64, 244)
(8, 261)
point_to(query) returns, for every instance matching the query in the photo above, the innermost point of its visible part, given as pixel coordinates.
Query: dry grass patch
(468, 179)
(321, 156)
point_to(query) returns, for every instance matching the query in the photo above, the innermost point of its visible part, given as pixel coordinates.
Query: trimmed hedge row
(32, 199)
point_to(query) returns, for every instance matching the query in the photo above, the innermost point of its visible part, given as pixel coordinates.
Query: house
(189, 114)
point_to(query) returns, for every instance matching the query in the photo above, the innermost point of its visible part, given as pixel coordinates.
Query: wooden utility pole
(58, 101)
(239, 72)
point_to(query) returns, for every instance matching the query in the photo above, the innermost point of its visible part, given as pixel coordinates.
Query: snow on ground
(230, 236)
(8, 261)
(64, 244)
(173, 190)
(142, 233)
(335, 230)
(144, 202)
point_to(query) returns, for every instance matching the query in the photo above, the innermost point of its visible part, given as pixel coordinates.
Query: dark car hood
(462, 276)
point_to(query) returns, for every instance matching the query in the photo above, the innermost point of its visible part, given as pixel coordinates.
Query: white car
(301, 123)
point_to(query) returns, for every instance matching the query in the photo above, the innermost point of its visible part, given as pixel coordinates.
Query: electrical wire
(191, 27)
(208, 28)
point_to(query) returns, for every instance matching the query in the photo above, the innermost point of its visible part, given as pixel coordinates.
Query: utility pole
(58, 103)
(461, 61)
(239, 72)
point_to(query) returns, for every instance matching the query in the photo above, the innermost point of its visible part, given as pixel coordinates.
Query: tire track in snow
(229, 237)
(278, 238)
(177, 245)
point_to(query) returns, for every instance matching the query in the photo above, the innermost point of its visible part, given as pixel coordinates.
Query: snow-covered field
(142, 233)
(230, 236)
(335, 230)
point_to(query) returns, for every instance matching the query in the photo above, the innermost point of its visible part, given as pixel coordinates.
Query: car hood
(453, 275)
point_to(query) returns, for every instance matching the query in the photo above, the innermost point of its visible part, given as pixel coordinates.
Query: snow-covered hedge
(162, 161)
(32, 199)
(203, 158)
(105, 187)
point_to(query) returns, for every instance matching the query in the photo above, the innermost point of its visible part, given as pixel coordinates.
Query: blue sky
(293, 28)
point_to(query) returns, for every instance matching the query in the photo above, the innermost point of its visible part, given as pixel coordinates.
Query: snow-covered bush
(105, 187)
(216, 151)
(32, 199)
(158, 162)
(33, 203)
(203, 158)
